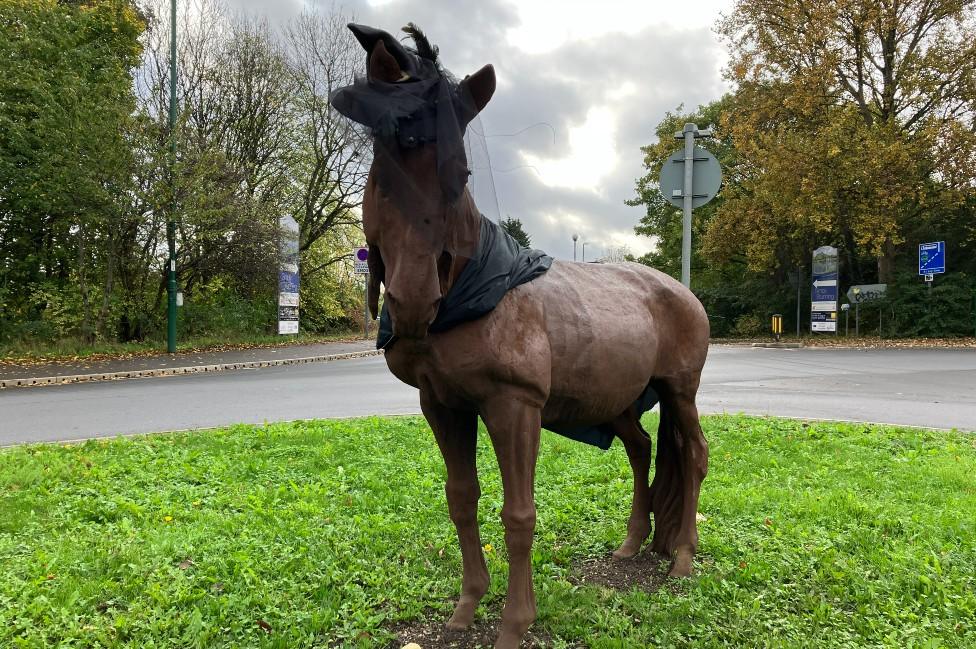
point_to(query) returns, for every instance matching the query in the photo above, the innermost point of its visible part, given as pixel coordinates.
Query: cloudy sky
(581, 86)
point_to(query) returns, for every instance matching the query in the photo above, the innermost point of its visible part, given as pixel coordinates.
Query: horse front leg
(457, 436)
(514, 428)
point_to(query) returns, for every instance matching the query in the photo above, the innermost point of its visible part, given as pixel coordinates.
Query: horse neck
(467, 230)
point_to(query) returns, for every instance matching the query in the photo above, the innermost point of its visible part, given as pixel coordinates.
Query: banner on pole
(288, 282)
(823, 296)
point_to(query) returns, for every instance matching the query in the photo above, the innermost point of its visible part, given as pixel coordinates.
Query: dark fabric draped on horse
(485, 328)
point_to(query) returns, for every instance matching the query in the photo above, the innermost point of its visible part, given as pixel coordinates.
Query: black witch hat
(425, 105)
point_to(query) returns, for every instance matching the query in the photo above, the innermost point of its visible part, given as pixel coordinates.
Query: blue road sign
(824, 288)
(931, 258)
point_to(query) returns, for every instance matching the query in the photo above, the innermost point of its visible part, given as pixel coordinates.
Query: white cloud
(592, 155)
(544, 26)
(599, 76)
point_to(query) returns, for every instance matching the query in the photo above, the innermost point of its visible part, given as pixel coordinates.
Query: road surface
(921, 387)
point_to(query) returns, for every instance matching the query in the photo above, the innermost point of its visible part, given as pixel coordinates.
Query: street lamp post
(575, 237)
(584, 251)
(171, 221)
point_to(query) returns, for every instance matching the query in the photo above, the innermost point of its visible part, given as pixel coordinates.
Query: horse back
(581, 342)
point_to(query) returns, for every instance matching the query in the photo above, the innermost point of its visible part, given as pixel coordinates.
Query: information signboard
(823, 295)
(288, 282)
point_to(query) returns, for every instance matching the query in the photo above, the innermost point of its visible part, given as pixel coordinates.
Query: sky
(581, 87)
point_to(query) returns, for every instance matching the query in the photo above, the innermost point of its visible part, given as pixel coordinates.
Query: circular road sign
(707, 178)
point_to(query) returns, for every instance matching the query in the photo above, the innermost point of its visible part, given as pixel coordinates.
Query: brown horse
(577, 346)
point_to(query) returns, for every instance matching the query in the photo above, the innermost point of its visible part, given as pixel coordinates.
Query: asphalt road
(922, 387)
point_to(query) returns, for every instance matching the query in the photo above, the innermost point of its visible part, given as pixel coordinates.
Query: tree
(514, 229)
(733, 294)
(66, 102)
(330, 158)
(662, 221)
(853, 122)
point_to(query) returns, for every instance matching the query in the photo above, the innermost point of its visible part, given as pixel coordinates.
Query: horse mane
(422, 46)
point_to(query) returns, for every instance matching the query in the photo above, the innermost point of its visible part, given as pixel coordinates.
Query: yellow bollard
(777, 326)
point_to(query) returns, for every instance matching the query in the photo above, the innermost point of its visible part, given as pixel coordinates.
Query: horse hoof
(462, 619)
(624, 552)
(681, 567)
(508, 640)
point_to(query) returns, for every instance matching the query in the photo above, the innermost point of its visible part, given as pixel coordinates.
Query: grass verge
(34, 352)
(327, 533)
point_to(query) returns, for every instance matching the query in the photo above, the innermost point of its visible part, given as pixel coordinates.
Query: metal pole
(847, 323)
(799, 283)
(171, 223)
(687, 198)
(584, 251)
(857, 320)
(366, 306)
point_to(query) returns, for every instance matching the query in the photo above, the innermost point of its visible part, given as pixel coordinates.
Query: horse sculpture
(581, 349)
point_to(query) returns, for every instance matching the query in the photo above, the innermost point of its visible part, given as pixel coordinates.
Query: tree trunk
(886, 262)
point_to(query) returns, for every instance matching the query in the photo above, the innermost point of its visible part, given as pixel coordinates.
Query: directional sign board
(866, 292)
(823, 296)
(706, 180)
(931, 258)
(360, 257)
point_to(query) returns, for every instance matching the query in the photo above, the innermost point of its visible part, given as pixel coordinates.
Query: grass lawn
(326, 533)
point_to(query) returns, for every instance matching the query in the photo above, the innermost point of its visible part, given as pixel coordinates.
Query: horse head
(415, 200)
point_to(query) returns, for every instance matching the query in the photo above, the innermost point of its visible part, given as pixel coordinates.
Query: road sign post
(689, 178)
(361, 266)
(823, 297)
(288, 278)
(171, 288)
(931, 260)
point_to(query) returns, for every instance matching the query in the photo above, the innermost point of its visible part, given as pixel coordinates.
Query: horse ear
(479, 86)
(377, 274)
(373, 298)
(383, 66)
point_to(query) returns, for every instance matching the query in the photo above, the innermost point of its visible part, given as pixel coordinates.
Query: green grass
(34, 350)
(827, 535)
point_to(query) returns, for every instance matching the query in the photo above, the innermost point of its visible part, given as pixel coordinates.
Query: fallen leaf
(264, 625)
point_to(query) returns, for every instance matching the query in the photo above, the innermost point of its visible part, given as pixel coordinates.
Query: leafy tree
(514, 229)
(66, 102)
(663, 221)
(853, 123)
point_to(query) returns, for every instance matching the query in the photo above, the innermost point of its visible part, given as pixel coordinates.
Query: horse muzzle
(410, 322)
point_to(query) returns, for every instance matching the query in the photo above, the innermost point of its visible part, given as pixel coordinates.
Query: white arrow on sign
(825, 282)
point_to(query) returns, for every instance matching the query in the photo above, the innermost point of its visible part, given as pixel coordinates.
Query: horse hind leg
(638, 445)
(680, 467)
